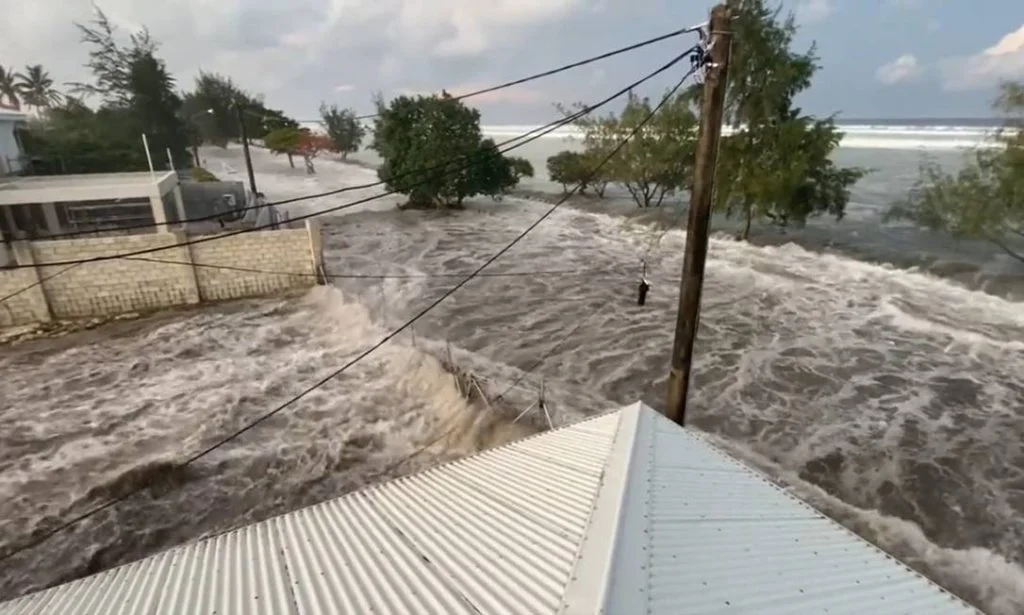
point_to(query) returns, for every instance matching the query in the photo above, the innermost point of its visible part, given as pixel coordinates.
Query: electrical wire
(488, 90)
(604, 56)
(540, 132)
(373, 276)
(43, 536)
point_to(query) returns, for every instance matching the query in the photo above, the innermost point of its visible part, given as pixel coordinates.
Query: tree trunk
(291, 161)
(344, 156)
(748, 209)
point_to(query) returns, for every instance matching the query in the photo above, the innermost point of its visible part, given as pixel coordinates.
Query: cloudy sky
(881, 58)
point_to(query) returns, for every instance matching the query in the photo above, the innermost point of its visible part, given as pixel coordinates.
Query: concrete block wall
(113, 287)
(175, 276)
(29, 304)
(287, 251)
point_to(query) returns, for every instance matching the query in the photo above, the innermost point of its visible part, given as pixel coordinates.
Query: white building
(10, 146)
(41, 206)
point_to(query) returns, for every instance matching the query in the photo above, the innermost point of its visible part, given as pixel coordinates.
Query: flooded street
(892, 399)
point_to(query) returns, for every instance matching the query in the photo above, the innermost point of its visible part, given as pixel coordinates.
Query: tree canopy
(433, 151)
(36, 87)
(569, 169)
(777, 163)
(137, 97)
(655, 163)
(985, 200)
(9, 89)
(284, 141)
(211, 114)
(343, 128)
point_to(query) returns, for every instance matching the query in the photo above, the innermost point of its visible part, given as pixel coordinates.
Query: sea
(874, 369)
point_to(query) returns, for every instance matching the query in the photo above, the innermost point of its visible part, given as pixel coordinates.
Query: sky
(880, 58)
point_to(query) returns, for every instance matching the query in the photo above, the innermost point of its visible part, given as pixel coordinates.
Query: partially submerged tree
(776, 164)
(343, 128)
(569, 169)
(433, 152)
(284, 141)
(312, 145)
(521, 167)
(986, 199)
(657, 160)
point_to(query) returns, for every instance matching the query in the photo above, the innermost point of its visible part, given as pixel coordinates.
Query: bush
(199, 174)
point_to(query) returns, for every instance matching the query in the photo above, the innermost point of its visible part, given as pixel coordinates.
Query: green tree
(657, 160)
(776, 164)
(569, 169)
(284, 141)
(210, 109)
(433, 152)
(985, 200)
(494, 174)
(36, 87)
(76, 139)
(9, 89)
(109, 61)
(155, 106)
(343, 128)
(521, 167)
(137, 97)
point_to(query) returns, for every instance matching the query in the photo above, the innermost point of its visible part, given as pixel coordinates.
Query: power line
(488, 90)
(374, 276)
(561, 69)
(40, 538)
(540, 132)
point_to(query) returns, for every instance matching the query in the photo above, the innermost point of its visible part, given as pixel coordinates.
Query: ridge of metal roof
(622, 513)
(698, 531)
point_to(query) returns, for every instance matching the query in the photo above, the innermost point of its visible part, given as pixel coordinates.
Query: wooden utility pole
(712, 107)
(245, 147)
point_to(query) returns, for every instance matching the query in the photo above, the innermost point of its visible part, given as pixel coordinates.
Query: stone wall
(217, 268)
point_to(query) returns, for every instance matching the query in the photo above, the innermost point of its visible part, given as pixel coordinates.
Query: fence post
(193, 287)
(24, 257)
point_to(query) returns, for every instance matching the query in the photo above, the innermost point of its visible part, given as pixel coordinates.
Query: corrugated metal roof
(700, 532)
(624, 513)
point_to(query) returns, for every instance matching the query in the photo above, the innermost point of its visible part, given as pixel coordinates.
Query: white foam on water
(854, 136)
(893, 390)
(974, 573)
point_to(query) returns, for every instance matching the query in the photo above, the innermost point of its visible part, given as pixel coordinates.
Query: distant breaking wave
(859, 136)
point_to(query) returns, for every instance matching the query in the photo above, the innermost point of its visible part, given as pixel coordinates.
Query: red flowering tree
(310, 146)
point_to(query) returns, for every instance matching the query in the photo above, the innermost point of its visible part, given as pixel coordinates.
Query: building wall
(204, 199)
(176, 276)
(10, 152)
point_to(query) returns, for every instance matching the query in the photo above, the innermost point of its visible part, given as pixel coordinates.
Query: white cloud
(345, 87)
(289, 51)
(1002, 61)
(813, 11)
(902, 69)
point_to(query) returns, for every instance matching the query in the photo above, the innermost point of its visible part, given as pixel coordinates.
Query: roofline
(590, 582)
(36, 189)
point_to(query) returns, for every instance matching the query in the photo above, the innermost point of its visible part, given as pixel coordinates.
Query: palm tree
(37, 87)
(9, 88)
